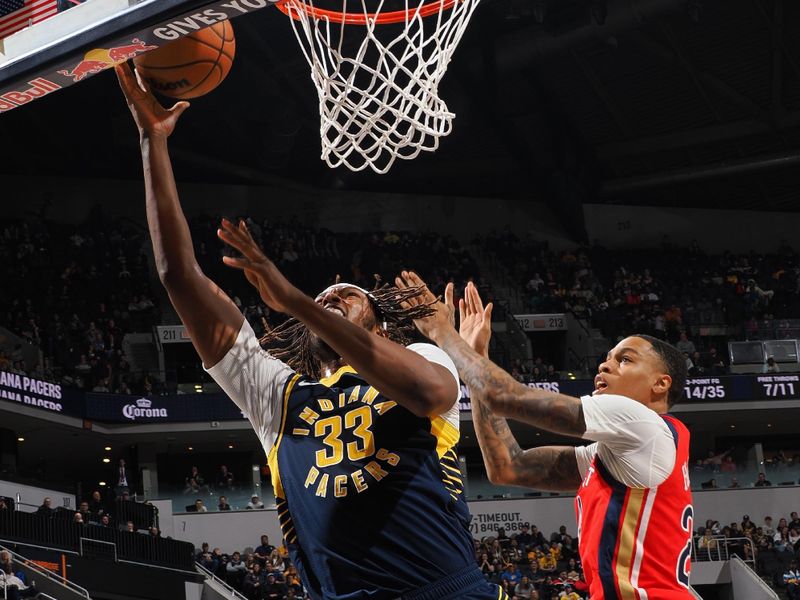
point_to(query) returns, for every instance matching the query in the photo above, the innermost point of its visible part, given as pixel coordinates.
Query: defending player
(367, 483)
(633, 503)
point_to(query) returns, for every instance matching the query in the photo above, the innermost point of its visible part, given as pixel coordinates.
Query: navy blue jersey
(370, 497)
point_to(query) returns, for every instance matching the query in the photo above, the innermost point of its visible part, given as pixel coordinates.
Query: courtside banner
(44, 395)
(113, 408)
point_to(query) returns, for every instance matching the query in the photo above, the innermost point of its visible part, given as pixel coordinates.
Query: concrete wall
(32, 497)
(714, 230)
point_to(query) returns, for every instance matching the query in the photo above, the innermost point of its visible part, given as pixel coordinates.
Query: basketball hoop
(378, 100)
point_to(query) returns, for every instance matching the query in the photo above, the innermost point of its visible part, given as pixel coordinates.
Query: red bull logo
(101, 59)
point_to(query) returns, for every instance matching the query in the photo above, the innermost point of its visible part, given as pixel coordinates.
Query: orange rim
(347, 18)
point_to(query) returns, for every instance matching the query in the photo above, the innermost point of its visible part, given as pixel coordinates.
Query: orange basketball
(191, 66)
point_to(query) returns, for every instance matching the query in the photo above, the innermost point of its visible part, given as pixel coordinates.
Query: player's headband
(339, 286)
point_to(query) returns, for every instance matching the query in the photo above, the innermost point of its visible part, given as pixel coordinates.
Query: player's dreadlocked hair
(291, 341)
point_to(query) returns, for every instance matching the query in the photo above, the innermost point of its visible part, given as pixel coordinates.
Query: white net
(378, 84)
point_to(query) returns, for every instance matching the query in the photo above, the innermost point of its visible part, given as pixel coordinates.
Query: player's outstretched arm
(424, 388)
(211, 318)
(546, 468)
(505, 396)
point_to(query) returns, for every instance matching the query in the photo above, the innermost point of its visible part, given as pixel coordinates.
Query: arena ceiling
(651, 102)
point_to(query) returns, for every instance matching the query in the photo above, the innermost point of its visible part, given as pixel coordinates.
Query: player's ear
(662, 384)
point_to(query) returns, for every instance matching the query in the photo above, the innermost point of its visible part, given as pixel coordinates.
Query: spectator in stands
(77, 518)
(195, 483)
(293, 585)
(275, 564)
(715, 364)
(235, 571)
(83, 509)
(771, 366)
(707, 546)
(46, 508)
(795, 522)
(523, 590)
(684, 344)
(3, 505)
(511, 574)
(524, 536)
(252, 583)
(199, 506)
(734, 483)
(130, 527)
(6, 564)
(224, 478)
(255, 503)
(273, 589)
(105, 521)
(204, 549)
(728, 466)
(154, 532)
(207, 561)
(264, 550)
(223, 504)
(791, 579)
(762, 481)
(767, 529)
(794, 537)
(96, 505)
(15, 588)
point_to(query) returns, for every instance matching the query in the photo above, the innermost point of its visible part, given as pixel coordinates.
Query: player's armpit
(551, 468)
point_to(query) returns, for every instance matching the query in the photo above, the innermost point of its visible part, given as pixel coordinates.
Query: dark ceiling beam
(710, 81)
(777, 61)
(524, 47)
(695, 137)
(733, 168)
(794, 65)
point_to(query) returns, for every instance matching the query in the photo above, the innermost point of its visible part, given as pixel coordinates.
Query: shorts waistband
(459, 581)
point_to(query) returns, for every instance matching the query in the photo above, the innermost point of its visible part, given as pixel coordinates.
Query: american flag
(18, 14)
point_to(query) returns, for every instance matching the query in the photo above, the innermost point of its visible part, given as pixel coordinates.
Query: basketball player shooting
(367, 484)
(633, 503)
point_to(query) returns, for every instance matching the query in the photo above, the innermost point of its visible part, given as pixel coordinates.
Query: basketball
(192, 66)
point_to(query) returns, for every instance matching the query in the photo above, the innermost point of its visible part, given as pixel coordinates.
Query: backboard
(90, 37)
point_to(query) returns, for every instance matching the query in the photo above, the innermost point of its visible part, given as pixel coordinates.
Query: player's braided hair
(291, 341)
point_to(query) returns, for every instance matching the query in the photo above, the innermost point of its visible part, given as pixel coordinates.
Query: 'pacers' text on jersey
(369, 496)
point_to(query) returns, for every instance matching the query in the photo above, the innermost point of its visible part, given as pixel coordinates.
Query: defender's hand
(151, 118)
(274, 289)
(444, 318)
(475, 321)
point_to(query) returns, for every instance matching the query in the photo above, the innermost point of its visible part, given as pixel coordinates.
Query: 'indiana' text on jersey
(635, 543)
(369, 496)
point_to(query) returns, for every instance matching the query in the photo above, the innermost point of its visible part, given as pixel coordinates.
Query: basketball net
(379, 102)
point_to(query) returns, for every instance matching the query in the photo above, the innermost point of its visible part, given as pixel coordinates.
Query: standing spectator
(224, 478)
(96, 506)
(46, 508)
(762, 481)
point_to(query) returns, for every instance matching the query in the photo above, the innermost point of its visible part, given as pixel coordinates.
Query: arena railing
(61, 533)
(46, 574)
(722, 549)
(226, 590)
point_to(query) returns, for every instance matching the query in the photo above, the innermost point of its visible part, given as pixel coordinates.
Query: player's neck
(329, 367)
